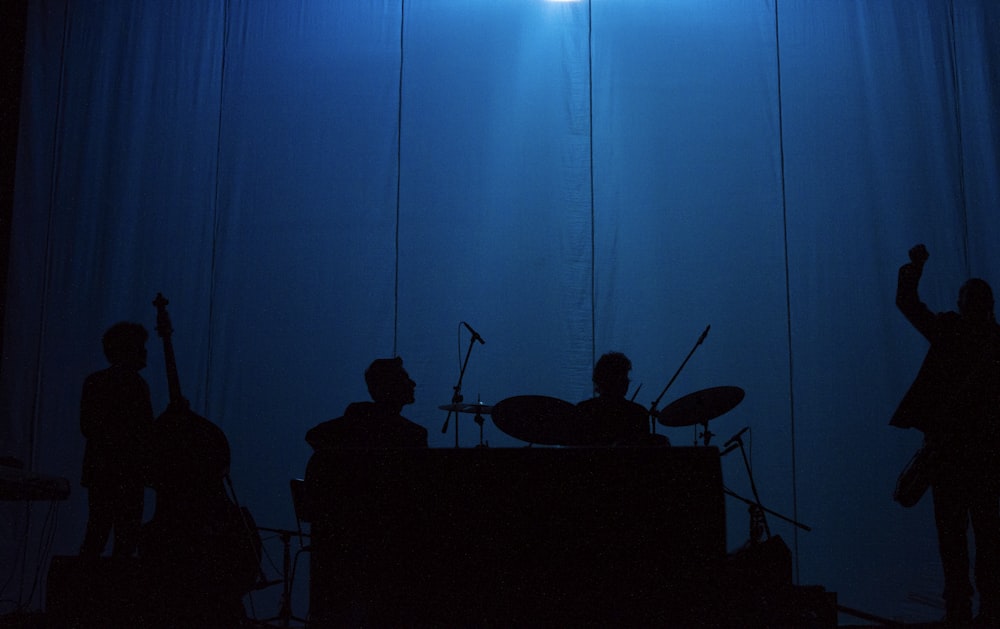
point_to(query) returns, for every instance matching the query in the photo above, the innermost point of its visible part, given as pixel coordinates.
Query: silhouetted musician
(955, 401)
(115, 412)
(356, 585)
(609, 418)
(375, 424)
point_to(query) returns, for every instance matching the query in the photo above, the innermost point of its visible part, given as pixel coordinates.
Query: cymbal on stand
(479, 408)
(700, 407)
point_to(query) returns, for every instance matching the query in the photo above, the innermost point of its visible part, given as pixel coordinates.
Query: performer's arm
(907, 296)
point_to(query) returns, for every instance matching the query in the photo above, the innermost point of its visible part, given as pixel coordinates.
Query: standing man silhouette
(115, 413)
(955, 401)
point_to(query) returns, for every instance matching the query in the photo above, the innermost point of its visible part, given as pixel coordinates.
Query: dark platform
(530, 537)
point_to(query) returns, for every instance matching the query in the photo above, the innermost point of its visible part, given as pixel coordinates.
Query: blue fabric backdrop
(315, 184)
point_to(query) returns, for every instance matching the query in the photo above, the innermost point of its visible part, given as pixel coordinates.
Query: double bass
(203, 547)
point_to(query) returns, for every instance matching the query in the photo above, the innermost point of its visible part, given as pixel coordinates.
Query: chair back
(300, 500)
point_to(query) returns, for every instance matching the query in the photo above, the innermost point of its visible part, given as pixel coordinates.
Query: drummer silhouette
(608, 418)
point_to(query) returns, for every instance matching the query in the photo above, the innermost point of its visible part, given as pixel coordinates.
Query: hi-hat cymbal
(478, 407)
(701, 406)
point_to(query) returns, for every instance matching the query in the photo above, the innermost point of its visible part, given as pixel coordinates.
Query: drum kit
(550, 421)
(544, 420)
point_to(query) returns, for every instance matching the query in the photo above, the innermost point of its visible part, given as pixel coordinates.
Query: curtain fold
(495, 207)
(303, 279)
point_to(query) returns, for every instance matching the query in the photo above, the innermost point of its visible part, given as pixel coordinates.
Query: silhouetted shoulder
(115, 383)
(607, 421)
(361, 426)
(416, 435)
(333, 433)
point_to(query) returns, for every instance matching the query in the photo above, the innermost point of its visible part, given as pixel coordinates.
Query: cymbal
(538, 419)
(700, 407)
(478, 407)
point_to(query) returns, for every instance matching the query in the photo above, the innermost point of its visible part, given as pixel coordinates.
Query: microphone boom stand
(732, 493)
(756, 496)
(457, 398)
(652, 407)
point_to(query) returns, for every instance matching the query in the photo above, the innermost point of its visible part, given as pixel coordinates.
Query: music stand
(285, 615)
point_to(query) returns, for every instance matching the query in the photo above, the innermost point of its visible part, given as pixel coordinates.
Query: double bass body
(201, 550)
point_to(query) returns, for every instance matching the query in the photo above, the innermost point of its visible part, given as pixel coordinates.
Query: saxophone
(917, 475)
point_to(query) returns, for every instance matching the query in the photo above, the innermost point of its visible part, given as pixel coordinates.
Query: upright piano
(17, 484)
(516, 536)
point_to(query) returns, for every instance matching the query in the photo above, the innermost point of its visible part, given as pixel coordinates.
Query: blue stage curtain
(495, 211)
(317, 184)
(873, 164)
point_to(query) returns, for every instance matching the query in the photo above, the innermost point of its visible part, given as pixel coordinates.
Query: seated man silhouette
(375, 424)
(610, 419)
(371, 543)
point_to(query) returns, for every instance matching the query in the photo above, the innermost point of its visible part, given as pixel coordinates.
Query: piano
(516, 536)
(17, 484)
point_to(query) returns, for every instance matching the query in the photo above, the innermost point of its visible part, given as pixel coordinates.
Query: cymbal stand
(457, 398)
(285, 614)
(480, 420)
(652, 407)
(705, 434)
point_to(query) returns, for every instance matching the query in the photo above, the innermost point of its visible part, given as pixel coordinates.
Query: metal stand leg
(285, 615)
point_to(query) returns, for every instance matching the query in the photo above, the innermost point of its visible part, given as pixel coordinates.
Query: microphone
(475, 335)
(729, 449)
(737, 436)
